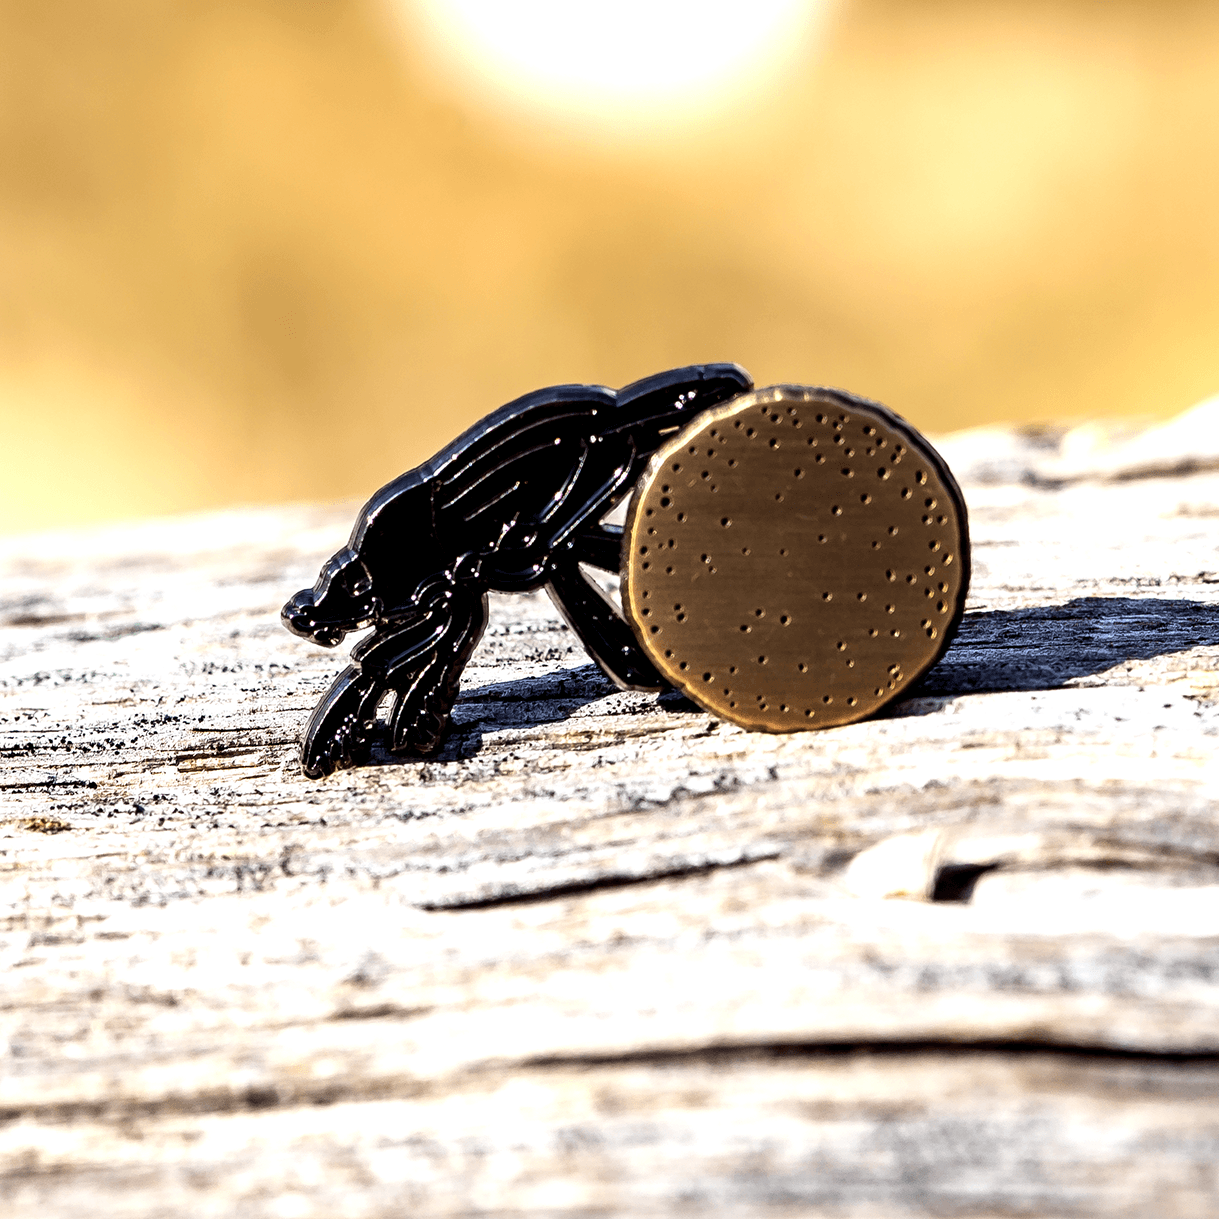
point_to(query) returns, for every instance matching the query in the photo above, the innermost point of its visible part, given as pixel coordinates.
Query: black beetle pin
(514, 504)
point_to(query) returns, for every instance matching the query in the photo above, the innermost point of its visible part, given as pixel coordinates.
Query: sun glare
(627, 66)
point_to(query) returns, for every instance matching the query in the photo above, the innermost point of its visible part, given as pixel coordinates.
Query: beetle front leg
(426, 693)
(338, 732)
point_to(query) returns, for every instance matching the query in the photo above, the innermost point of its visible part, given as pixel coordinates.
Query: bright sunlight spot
(627, 66)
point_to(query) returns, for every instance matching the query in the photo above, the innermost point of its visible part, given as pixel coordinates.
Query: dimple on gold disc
(796, 558)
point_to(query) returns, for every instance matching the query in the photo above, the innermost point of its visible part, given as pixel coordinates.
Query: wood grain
(606, 954)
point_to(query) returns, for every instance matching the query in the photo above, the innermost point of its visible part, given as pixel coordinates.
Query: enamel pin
(793, 558)
(514, 504)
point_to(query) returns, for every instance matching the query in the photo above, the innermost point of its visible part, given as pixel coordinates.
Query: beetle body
(514, 504)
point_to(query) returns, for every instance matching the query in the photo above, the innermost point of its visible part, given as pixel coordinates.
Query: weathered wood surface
(607, 955)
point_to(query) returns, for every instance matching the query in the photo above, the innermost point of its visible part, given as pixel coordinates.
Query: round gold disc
(795, 559)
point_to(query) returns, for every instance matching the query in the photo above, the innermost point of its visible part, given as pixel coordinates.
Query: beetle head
(342, 600)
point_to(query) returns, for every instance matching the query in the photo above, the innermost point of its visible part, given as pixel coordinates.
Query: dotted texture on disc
(795, 559)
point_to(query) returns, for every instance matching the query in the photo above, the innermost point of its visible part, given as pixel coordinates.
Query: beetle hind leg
(603, 631)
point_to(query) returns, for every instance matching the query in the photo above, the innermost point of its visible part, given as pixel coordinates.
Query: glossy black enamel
(513, 504)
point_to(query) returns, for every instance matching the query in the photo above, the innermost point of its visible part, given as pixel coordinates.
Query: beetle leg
(337, 734)
(599, 546)
(603, 631)
(427, 686)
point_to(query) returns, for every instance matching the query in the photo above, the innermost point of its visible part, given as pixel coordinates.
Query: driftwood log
(606, 955)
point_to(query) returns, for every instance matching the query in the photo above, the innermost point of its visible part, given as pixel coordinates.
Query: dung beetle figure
(514, 504)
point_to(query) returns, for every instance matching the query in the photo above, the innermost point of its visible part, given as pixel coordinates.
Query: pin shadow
(525, 702)
(1044, 647)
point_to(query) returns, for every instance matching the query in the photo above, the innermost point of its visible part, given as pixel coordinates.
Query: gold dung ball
(796, 558)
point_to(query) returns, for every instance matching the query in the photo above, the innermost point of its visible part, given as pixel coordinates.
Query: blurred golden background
(255, 250)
